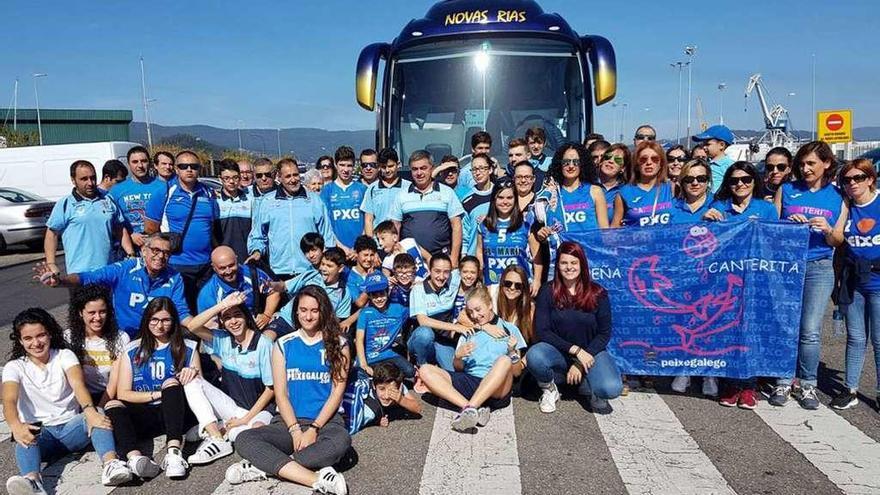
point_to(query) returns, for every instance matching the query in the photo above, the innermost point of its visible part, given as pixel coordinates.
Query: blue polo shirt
(381, 329)
(132, 197)
(343, 205)
(246, 371)
(235, 221)
(216, 289)
(437, 304)
(171, 210)
(488, 348)
(86, 227)
(719, 166)
(681, 212)
(133, 289)
(379, 198)
(425, 216)
(476, 207)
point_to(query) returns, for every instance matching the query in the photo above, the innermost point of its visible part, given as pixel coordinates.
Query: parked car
(213, 183)
(23, 218)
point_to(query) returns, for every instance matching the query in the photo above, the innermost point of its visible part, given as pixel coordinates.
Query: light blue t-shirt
(379, 198)
(488, 348)
(719, 167)
(337, 292)
(381, 329)
(86, 227)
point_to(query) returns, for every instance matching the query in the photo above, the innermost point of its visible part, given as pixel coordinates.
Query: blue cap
(375, 282)
(719, 132)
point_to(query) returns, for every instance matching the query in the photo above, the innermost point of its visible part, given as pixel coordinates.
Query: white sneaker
(710, 386)
(21, 485)
(115, 473)
(210, 450)
(174, 464)
(549, 398)
(680, 384)
(483, 416)
(243, 471)
(465, 420)
(143, 467)
(329, 481)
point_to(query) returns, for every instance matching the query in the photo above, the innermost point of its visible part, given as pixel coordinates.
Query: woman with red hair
(573, 327)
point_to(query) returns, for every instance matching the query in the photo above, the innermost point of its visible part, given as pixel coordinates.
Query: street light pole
(622, 121)
(721, 88)
(680, 66)
(37, 100)
(689, 51)
(279, 142)
(614, 119)
(146, 106)
(239, 123)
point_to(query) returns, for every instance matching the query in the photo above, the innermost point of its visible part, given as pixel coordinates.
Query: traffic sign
(834, 126)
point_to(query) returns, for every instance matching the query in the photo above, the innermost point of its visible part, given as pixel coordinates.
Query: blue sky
(291, 64)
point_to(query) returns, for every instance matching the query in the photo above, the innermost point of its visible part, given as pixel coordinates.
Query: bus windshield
(444, 93)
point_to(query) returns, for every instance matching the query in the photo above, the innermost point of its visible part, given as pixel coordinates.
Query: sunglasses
(747, 180)
(510, 284)
(189, 166)
(369, 165)
(645, 159)
(777, 168)
(702, 179)
(854, 179)
(612, 157)
(676, 159)
(324, 166)
(264, 175)
(645, 137)
(571, 161)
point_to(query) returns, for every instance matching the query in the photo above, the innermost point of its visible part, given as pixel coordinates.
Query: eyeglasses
(645, 159)
(481, 169)
(746, 180)
(690, 179)
(854, 179)
(524, 178)
(264, 175)
(156, 252)
(510, 284)
(369, 165)
(777, 168)
(571, 161)
(675, 159)
(160, 321)
(404, 273)
(612, 157)
(645, 137)
(190, 166)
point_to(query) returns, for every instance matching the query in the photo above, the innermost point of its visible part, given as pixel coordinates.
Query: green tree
(15, 138)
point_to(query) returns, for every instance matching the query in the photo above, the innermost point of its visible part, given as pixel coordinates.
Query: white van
(45, 170)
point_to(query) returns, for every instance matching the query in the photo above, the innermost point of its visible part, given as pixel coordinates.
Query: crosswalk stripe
(848, 457)
(271, 486)
(484, 463)
(654, 453)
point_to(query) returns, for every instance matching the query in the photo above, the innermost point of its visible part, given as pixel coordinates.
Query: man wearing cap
(716, 139)
(380, 326)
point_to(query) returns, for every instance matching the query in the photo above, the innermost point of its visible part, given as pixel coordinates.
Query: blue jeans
(548, 365)
(423, 346)
(862, 314)
(58, 440)
(818, 285)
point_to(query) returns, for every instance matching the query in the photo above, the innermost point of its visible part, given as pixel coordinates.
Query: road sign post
(834, 126)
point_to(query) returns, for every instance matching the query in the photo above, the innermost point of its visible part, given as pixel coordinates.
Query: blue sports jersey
(826, 202)
(578, 209)
(86, 227)
(681, 212)
(476, 207)
(132, 197)
(503, 248)
(652, 207)
(133, 289)
(171, 211)
(308, 374)
(149, 376)
(216, 289)
(862, 233)
(344, 207)
(757, 208)
(379, 198)
(337, 292)
(354, 282)
(488, 348)
(610, 196)
(399, 295)
(246, 372)
(541, 162)
(381, 330)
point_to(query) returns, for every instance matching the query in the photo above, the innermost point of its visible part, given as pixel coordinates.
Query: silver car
(23, 218)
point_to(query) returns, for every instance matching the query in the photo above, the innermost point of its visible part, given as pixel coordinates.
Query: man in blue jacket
(282, 218)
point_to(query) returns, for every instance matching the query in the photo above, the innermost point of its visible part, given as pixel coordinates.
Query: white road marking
(848, 457)
(272, 486)
(653, 452)
(485, 463)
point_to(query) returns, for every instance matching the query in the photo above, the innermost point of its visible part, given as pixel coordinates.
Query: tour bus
(497, 65)
(45, 170)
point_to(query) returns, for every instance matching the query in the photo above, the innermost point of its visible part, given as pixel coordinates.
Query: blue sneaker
(808, 399)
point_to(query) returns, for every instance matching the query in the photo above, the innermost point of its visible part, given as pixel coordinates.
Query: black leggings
(139, 421)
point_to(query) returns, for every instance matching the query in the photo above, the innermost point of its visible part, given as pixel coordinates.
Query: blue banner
(713, 299)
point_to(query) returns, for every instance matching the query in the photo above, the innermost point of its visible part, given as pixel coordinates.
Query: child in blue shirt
(392, 247)
(380, 326)
(370, 402)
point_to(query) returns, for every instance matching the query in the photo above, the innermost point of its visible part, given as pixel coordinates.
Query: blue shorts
(467, 386)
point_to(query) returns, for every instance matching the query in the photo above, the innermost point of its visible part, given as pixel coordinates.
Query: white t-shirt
(44, 394)
(97, 363)
(407, 245)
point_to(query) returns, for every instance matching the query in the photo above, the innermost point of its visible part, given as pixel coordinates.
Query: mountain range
(309, 143)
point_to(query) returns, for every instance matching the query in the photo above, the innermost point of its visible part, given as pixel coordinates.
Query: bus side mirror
(604, 67)
(366, 75)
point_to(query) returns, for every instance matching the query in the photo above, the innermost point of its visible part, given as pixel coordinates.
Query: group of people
(355, 290)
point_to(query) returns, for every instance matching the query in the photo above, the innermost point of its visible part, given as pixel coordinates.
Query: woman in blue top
(693, 198)
(150, 399)
(581, 205)
(504, 237)
(613, 167)
(739, 197)
(647, 199)
(309, 368)
(812, 199)
(860, 277)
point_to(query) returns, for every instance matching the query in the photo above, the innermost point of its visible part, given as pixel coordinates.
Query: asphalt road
(573, 451)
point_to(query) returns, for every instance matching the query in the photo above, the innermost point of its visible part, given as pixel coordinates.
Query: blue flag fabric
(712, 299)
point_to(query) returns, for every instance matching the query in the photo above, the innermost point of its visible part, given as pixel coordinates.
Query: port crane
(776, 122)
